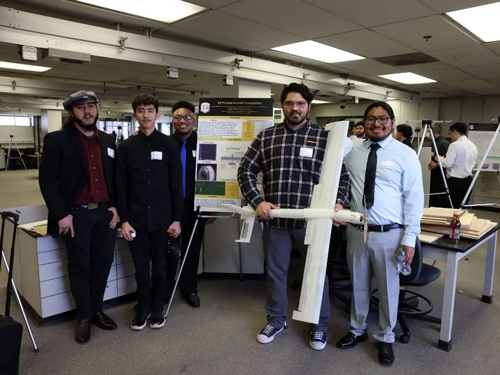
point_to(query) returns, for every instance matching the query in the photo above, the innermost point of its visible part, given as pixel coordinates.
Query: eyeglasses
(185, 118)
(289, 104)
(382, 120)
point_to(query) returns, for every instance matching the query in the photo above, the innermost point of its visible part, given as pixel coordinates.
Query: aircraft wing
(319, 230)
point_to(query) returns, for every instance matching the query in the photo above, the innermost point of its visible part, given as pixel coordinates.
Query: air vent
(407, 59)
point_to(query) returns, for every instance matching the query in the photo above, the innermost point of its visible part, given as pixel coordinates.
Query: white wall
(469, 110)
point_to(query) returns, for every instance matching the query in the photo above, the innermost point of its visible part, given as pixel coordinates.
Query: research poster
(226, 127)
(481, 135)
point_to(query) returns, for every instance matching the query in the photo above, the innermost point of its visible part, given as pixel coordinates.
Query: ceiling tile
(125, 65)
(432, 95)
(214, 4)
(411, 33)
(473, 55)
(418, 68)
(447, 75)
(280, 56)
(222, 25)
(383, 12)
(433, 87)
(484, 71)
(442, 6)
(369, 67)
(495, 47)
(472, 84)
(316, 21)
(488, 91)
(366, 43)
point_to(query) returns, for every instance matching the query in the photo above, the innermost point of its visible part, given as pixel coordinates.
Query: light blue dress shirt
(399, 191)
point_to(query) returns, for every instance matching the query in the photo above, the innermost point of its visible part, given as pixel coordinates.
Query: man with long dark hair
(77, 182)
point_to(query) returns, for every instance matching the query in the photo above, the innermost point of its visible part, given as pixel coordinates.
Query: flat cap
(80, 97)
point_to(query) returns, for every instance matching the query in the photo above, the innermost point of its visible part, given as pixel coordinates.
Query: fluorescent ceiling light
(317, 51)
(407, 78)
(389, 98)
(481, 21)
(30, 68)
(167, 11)
(319, 102)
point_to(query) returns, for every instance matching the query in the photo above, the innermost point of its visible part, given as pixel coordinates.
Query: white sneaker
(318, 340)
(266, 335)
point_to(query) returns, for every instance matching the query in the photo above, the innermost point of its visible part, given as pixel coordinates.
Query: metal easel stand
(199, 216)
(427, 124)
(478, 170)
(11, 285)
(9, 158)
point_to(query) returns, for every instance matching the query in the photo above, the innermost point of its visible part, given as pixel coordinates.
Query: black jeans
(188, 282)
(150, 248)
(458, 188)
(90, 255)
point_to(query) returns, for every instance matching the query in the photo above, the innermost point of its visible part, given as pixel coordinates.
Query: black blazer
(64, 172)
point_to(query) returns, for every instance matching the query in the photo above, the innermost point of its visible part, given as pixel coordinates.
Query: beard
(378, 137)
(294, 121)
(86, 127)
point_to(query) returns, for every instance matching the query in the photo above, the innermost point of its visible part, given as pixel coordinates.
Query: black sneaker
(267, 334)
(140, 319)
(157, 318)
(318, 340)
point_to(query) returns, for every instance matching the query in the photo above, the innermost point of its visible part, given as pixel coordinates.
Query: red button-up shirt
(96, 190)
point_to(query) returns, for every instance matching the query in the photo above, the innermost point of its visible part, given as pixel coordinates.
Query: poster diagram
(226, 127)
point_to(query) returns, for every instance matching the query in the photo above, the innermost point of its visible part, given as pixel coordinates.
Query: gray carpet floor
(220, 337)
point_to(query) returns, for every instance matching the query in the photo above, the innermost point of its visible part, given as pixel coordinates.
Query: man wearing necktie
(185, 136)
(386, 184)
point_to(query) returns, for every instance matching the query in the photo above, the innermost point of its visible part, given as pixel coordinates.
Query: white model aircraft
(319, 223)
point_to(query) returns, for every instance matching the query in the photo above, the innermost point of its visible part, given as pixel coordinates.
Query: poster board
(226, 128)
(481, 135)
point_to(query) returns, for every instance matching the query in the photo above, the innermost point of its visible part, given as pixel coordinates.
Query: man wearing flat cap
(78, 185)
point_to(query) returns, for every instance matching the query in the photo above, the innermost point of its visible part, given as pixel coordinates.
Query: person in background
(149, 198)
(437, 182)
(404, 133)
(459, 161)
(359, 130)
(77, 181)
(386, 185)
(290, 156)
(186, 138)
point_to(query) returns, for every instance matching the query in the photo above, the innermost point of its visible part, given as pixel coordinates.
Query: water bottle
(402, 267)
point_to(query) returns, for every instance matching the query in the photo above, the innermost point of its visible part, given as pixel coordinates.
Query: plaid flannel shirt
(288, 177)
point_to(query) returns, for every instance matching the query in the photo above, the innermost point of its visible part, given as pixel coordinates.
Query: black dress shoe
(192, 299)
(82, 334)
(385, 353)
(103, 321)
(351, 340)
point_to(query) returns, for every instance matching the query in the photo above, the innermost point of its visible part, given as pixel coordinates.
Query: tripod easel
(9, 158)
(427, 124)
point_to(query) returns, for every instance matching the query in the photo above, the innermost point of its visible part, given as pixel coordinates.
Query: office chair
(409, 301)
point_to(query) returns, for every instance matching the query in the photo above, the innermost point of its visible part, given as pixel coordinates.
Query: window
(15, 120)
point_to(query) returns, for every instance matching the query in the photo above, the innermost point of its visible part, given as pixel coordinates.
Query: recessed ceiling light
(407, 78)
(481, 21)
(26, 67)
(458, 55)
(317, 51)
(167, 11)
(389, 98)
(319, 102)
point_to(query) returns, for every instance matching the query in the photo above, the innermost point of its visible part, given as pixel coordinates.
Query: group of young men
(148, 183)
(153, 194)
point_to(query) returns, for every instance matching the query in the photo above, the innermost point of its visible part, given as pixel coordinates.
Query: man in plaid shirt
(290, 156)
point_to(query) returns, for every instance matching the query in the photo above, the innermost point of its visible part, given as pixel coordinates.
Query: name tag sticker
(111, 153)
(388, 163)
(194, 153)
(156, 155)
(306, 151)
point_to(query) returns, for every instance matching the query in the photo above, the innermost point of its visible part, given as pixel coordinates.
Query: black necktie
(371, 170)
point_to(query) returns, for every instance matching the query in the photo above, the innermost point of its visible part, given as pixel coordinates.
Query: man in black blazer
(78, 185)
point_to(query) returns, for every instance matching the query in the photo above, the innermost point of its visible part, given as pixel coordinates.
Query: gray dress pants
(278, 244)
(376, 257)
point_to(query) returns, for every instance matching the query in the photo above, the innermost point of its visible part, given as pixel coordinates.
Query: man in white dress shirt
(386, 184)
(459, 162)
